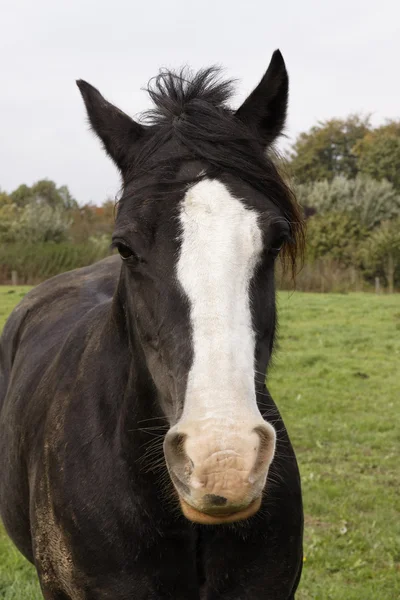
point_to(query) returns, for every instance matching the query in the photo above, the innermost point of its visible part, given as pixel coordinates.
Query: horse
(141, 455)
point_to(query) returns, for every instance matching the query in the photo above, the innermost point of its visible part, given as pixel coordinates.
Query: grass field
(336, 380)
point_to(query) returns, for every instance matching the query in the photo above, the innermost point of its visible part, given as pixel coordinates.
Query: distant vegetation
(347, 178)
(44, 231)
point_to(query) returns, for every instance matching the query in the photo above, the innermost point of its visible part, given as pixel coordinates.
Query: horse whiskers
(154, 468)
(154, 419)
(150, 430)
(269, 412)
(154, 438)
(259, 373)
(155, 427)
(151, 452)
(154, 442)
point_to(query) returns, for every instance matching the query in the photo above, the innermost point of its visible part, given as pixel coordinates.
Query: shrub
(37, 262)
(334, 235)
(380, 253)
(368, 201)
(324, 275)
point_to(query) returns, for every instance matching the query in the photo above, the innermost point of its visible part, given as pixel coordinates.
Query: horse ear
(115, 129)
(264, 111)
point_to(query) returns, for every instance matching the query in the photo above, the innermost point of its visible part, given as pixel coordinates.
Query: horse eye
(124, 251)
(275, 251)
(279, 243)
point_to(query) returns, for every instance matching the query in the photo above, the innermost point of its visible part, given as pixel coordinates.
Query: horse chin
(196, 516)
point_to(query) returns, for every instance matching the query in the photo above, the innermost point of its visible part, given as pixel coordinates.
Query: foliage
(41, 223)
(34, 223)
(8, 220)
(327, 150)
(325, 275)
(40, 213)
(344, 210)
(21, 196)
(89, 220)
(43, 192)
(345, 435)
(335, 235)
(367, 200)
(4, 199)
(47, 213)
(380, 253)
(378, 153)
(347, 147)
(101, 242)
(36, 262)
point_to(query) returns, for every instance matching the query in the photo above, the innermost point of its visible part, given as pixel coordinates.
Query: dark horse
(141, 454)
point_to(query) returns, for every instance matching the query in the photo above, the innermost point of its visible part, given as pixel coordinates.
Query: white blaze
(221, 245)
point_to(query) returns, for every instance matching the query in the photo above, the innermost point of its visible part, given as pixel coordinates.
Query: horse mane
(192, 109)
(173, 93)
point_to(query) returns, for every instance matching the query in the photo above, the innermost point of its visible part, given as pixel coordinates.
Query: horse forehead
(212, 213)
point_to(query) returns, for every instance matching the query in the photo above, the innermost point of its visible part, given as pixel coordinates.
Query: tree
(380, 253)
(378, 153)
(44, 192)
(42, 223)
(9, 214)
(369, 202)
(327, 149)
(93, 221)
(33, 223)
(4, 199)
(40, 213)
(334, 235)
(21, 196)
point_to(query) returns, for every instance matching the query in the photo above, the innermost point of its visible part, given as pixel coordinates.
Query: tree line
(347, 178)
(44, 231)
(346, 174)
(47, 213)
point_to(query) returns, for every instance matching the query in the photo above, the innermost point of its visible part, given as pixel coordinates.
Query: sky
(342, 57)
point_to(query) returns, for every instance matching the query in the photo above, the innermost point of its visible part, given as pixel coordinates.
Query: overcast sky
(342, 57)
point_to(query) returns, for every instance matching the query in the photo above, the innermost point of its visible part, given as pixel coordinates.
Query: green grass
(9, 297)
(335, 379)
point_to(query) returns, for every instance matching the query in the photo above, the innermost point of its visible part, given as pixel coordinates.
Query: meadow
(336, 381)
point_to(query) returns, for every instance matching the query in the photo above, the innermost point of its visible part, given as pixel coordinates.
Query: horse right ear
(116, 130)
(264, 111)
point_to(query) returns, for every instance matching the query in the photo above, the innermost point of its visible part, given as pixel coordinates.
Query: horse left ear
(264, 111)
(116, 130)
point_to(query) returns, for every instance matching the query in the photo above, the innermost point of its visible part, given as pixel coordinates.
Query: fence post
(390, 273)
(377, 285)
(353, 276)
(14, 278)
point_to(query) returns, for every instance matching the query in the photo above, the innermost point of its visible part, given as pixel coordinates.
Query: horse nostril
(174, 449)
(214, 500)
(178, 461)
(266, 449)
(176, 443)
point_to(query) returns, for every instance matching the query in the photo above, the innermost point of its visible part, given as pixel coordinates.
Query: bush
(324, 275)
(334, 235)
(34, 223)
(368, 201)
(379, 255)
(37, 262)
